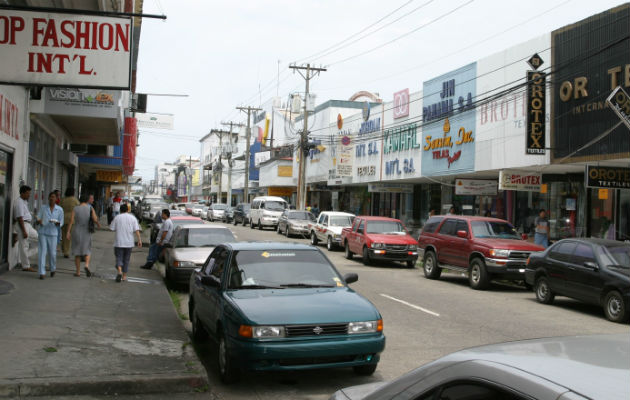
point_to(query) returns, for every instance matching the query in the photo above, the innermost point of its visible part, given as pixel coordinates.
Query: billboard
(56, 49)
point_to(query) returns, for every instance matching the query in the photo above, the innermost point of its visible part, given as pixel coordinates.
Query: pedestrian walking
(315, 210)
(80, 235)
(125, 225)
(541, 232)
(22, 227)
(49, 219)
(117, 201)
(67, 204)
(163, 237)
(110, 210)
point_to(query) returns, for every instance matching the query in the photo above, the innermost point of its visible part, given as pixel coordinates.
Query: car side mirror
(462, 234)
(350, 278)
(524, 236)
(591, 265)
(208, 280)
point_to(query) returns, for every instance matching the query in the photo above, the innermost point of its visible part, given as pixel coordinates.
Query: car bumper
(298, 231)
(508, 269)
(393, 255)
(307, 354)
(181, 275)
(269, 221)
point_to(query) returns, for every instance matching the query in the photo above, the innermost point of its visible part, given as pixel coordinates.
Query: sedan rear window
(301, 215)
(219, 206)
(204, 237)
(281, 269)
(621, 255)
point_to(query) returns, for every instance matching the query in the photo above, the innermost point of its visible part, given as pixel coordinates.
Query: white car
(266, 211)
(216, 212)
(328, 228)
(197, 210)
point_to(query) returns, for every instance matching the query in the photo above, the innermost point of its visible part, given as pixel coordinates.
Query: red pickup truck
(379, 238)
(484, 248)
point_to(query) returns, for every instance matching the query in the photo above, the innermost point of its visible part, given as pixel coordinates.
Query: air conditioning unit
(79, 148)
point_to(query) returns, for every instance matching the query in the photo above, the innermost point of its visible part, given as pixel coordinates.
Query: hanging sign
(521, 181)
(479, 187)
(620, 104)
(607, 177)
(536, 115)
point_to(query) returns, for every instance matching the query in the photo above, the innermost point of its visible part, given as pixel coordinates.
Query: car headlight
(413, 247)
(500, 253)
(184, 264)
(365, 327)
(261, 332)
(378, 245)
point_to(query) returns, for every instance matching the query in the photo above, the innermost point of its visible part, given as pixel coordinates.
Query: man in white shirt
(163, 237)
(125, 225)
(22, 227)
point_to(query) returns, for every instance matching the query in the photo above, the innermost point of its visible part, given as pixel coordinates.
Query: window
(475, 391)
(494, 229)
(448, 228)
(432, 224)
(340, 220)
(562, 251)
(325, 220)
(355, 225)
(274, 205)
(361, 227)
(461, 226)
(219, 264)
(385, 227)
(583, 253)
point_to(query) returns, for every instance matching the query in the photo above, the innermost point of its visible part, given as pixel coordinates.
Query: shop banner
(55, 49)
(155, 121)
(536, 113)
(261, 157)
(109, 176)
(520, 181)
(607, 177)
(478, 187)
(82, 102)
(620, 103)
(389, 188)
(285, 171)
(344, 161)
(401, 104)
(280, 191)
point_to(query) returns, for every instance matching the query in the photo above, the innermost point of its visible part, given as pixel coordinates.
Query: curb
(107, 385)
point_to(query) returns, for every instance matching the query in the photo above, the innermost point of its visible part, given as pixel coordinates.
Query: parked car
(563, 368)
(188, 208)
(181, 206)
(379, 238)
(216, 211)
(197, 210)
(328, 228)
(190, 246)
(484, 248)
(241, 213)
(177, 220)
(595, 271)
(228, 215)
(153, 210)
(282, 306)
(295, 222)
(266, 210)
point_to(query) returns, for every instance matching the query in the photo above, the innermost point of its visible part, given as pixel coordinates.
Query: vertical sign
(536, 112)
(401, 104)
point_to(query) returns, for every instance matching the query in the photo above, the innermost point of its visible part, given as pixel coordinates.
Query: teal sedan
(282, 306)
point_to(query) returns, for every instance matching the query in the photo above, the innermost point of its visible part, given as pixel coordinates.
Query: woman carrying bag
(81, 233)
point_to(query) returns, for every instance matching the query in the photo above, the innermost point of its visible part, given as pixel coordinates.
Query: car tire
(411, 263)
(364, 370)
(251, 224)
(477, 275)
(349, 255)
(543, 291)
(329, 244)
(615, 308)
(199, 333)
(228, 371)
(366, 256)
(313, 238)
(286, 232)
(430, 266)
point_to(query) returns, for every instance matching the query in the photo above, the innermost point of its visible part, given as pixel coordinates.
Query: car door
(459, 246)
(355, 240)
(584, 282)
(212, 294)
(557, 266)
(446, 242)
(322, 227)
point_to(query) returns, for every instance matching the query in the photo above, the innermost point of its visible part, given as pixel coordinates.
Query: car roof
(237, 246)
(470, 217)
(336, 213)
(598, 241)
(202, 226)
(374, 218)
(184, 217)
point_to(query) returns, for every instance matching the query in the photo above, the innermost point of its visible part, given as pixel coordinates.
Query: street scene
(314, 200)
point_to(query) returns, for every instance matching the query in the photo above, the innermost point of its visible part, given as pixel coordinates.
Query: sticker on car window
(267, 254)
(338, 281)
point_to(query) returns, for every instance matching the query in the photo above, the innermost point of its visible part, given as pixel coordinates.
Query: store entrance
(6, 163)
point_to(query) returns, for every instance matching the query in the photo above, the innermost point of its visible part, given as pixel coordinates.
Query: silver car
(216, 212)
(565, 368)
(294, 222)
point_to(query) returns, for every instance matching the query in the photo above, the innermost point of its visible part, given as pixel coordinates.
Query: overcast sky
(223, 54)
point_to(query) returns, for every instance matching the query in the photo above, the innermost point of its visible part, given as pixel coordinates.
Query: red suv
(485, 248)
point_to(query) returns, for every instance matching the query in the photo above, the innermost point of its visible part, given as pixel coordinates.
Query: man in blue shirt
(163, 237)
(49, 219)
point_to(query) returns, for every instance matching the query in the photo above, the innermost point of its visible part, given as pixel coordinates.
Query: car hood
(509, 244)
(302, 306)
(620, 270)
(337, 229)
(392, 239)
(198, 255)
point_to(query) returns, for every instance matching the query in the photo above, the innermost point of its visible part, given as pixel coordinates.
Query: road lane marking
(411, 305)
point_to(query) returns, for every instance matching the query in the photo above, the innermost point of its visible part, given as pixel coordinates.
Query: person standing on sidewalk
(67, 204)
(22, 227)
(125, 225)
(116, 203)
(81, 236)
(163, 237)
(541, 235)
(49, 220)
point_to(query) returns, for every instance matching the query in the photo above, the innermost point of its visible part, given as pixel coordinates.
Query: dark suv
(241, 214)
(484, 248)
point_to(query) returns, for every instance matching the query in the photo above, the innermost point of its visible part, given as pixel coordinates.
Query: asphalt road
(423, 320)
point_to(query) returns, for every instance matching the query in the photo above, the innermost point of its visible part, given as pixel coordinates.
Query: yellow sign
(196, 179)
(109, 176)
(285, 170)
(603, 194)
(280, 191)
(543, 188)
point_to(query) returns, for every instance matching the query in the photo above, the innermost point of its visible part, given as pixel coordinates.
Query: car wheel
(366, 256)
(347, 251)
(313, 239)
(364, 370)
(411, 263)
(286, 232)
(329, 244)
(251, 224)
(430, 266)
(228, 370)
(478, 276)
(615, 308)
(543, 291)
(199, 333)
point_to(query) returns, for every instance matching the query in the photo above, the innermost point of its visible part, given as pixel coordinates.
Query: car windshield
(620, 255)
(386, 227)
(178, 222)
(275, 205)
(246, 207)
(204, 237)
(219, 206)
(341, 221)
(282, 269)
(494, 229)
(301, 215)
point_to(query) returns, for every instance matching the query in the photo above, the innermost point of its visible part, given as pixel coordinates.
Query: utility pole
(229, 195)
(220, 167)
(249, 136)
(310, 72)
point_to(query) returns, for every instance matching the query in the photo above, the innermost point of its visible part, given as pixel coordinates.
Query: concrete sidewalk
(72, 335)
